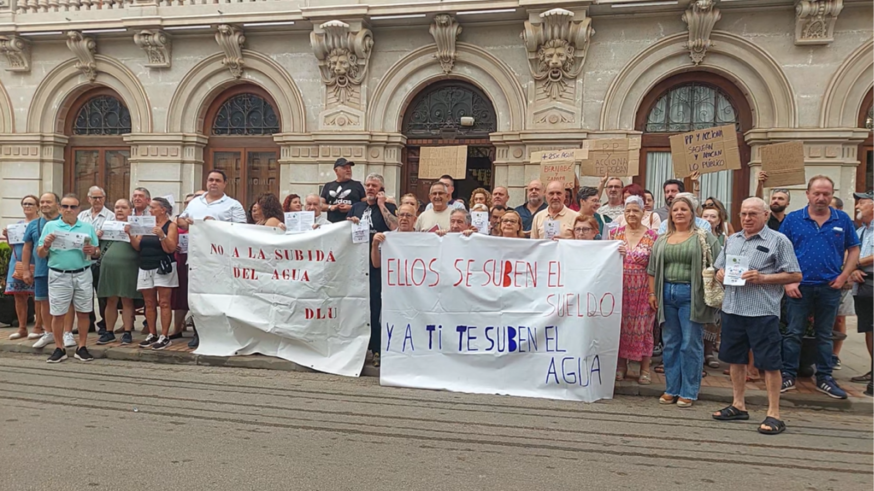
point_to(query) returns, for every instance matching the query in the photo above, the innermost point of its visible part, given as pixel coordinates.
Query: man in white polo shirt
(215, 204)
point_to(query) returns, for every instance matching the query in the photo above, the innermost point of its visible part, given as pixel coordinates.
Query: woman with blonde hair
(481, 196)
(676, 291)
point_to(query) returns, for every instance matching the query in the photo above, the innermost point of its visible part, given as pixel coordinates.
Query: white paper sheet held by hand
(735, 267)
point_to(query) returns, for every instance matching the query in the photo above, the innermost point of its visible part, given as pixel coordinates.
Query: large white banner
(491, 315)
(302, 297)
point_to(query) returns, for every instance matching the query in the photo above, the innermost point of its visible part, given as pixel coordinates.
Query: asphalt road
(127, 426)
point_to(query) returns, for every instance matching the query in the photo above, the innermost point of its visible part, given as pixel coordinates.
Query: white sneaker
(69, 342)
(44, 340)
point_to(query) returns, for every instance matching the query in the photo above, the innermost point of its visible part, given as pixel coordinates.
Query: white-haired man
(313, 203)
(751, 312)
(97, 215)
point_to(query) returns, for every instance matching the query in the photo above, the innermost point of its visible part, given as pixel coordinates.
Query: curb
(626, 388)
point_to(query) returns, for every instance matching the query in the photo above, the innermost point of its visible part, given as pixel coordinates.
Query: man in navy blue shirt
(533, 206)
(382, 217)
(821, 236)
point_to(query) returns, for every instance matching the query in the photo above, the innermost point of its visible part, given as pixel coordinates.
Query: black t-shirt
(341, 193)
(774, 224)
(371, 213)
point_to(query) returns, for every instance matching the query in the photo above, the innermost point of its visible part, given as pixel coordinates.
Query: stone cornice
(808, 135)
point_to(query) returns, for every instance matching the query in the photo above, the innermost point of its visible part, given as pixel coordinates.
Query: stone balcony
(32, 17)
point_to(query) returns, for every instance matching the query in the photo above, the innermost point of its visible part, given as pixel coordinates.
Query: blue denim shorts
(41, 288)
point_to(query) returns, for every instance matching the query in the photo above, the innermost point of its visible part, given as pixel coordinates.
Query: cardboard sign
(784, 163)
(705, 151)
(560, 165)
(618, 157)
(438, 161)
(492, 315)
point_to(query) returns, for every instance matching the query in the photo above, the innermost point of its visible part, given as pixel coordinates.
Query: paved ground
(120, 425)
(715, 387)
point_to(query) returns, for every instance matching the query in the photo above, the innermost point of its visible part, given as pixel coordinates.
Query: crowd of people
(681, 300)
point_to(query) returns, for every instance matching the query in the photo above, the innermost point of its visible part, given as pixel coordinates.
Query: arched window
(245, 114)
(240, 124)
(684, 103)
(102, 115)
(97, 153)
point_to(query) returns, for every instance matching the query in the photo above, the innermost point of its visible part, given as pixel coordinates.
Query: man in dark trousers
(382, 217)
(339, 196)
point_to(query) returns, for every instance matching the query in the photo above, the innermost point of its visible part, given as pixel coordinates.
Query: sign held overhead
(784, 164)
(612, 156)
(705, 151)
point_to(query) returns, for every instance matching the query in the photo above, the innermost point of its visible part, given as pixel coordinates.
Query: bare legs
(154, 298)
(773, 381)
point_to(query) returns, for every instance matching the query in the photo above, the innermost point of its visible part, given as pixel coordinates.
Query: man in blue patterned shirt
(821, 236)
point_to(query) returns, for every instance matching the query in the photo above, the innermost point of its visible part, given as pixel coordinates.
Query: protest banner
(617, 157)
(301, 297)
(492, 315)
(784, 163)
(705, 151)
(438, 161)
(559, 165)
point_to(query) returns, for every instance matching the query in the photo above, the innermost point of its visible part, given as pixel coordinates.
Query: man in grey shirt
(751, 312)
(671, 187)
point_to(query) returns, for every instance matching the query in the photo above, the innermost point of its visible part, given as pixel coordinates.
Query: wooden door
(250, 171)
(108, 168)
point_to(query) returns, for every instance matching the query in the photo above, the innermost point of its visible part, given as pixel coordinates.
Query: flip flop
(775, 426)
(731, 413)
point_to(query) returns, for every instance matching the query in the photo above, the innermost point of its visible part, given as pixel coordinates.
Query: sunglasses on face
(69, 207)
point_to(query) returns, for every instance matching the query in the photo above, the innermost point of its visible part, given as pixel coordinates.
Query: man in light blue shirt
(69, 244)
(863, 277)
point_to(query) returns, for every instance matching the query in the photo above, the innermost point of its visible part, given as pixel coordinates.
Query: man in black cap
(339, 196)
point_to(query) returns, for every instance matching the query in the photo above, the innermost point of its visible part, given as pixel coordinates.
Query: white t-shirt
(430, 218)
(224, 209)
(457, 205)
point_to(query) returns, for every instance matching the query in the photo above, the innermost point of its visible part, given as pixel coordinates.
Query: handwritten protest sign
(438, 161)
(784, 163)
(613, 156)
(300, 297)
(492, 315)
(559, 165)
(705, 151)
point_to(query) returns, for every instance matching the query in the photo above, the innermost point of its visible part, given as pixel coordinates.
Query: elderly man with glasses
(97, 215)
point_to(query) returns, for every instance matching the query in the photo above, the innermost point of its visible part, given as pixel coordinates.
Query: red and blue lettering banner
(491, 315)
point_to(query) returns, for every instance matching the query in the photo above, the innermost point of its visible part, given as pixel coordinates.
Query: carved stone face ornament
(556, 58)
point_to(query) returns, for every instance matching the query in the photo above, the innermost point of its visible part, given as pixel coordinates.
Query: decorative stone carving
(157, 46)
(84, 48)
(17, 52)
(557, 41)
(445, 31)
(701, 16)
(815, 20)
(343, 53)
(231, 39)
(557, 49)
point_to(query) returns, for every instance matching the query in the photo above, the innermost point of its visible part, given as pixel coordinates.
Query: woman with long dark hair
(267, 211)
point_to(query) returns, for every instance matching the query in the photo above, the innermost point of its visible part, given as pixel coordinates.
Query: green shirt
(73, 259)
(678, 260)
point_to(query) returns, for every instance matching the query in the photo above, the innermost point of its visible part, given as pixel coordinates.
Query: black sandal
(775, 426)
(731, 413)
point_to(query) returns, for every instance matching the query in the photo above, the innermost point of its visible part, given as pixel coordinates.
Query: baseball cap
(341, 162)
(868, 195)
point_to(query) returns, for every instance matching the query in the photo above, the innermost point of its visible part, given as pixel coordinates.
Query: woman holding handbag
(15, 277)
(676, 269)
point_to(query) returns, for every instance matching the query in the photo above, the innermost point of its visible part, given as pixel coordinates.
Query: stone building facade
(127, 93)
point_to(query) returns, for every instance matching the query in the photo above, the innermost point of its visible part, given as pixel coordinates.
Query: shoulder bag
(713, 290)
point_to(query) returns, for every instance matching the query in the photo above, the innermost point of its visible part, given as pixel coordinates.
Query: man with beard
(381, 218)
(338, 196)
(533, 206)
(500, 196)
(671, 187)
(779, 202)
(821, 236)
(863, 290)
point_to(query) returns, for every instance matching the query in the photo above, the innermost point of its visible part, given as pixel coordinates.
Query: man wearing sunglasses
(69, 244)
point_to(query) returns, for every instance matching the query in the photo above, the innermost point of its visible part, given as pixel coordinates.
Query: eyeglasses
(69, 207)
(583, 230)
(97, 197)
(509, 220)
(405, 215)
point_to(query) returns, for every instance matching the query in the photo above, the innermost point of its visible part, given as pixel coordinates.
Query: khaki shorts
(67, 288)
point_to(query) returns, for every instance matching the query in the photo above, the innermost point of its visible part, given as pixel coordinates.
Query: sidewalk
(715, 386)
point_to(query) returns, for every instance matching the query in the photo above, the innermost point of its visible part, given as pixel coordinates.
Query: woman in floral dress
(636, 337)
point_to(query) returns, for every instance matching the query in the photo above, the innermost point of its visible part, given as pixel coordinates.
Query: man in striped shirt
(751, 312)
